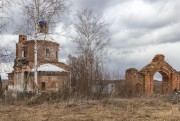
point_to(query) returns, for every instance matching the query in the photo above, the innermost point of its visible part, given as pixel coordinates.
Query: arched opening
(160, 83)
(23, 52)
(157, 83)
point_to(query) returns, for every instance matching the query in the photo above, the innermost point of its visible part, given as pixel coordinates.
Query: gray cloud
(98, 5)
(139, 29)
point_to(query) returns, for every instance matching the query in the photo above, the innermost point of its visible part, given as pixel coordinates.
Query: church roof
(49, 67)
(42, 36)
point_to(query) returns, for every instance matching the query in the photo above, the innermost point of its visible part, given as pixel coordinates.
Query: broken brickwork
(141, 82)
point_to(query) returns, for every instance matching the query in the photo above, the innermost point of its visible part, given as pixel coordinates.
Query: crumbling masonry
(141, 82)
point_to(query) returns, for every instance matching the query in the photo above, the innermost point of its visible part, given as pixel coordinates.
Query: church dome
(42, 22)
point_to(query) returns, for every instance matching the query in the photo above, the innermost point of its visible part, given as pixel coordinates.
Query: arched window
(23, 52)
(47, 53)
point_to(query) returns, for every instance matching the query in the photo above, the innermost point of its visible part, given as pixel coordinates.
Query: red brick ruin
(141, 82)
(22, 77)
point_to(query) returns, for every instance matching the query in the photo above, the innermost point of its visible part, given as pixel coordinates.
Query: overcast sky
(139, 29)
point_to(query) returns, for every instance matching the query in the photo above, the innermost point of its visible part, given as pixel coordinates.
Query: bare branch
(7, 54)
(49, 10)
(4, 15)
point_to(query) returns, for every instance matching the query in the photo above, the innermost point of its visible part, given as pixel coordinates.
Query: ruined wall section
(169, 75)
(133, 81)
(143, 80)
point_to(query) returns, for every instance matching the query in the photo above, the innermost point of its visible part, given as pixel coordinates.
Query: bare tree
(34, 10)
(7, 54)
(91, 41)
(4, 15)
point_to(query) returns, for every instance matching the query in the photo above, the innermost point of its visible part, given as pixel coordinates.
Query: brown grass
(110, 109)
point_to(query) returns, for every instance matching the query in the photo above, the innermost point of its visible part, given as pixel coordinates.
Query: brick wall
(144, 77)
(47, 51)
(24, 62)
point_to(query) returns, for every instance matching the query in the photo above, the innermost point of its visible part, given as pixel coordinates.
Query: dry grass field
(110, 109)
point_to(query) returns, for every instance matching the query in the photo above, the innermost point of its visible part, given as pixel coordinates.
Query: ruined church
(52, 74)
(141, 82)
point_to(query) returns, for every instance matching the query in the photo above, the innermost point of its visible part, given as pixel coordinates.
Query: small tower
(21, 48)
(43, 28)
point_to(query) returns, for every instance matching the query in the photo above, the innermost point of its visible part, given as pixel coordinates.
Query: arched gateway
(141, 82)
